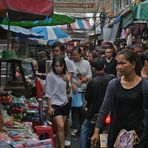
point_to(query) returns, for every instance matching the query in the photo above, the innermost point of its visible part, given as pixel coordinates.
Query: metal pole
(8, 31)
(95, 16)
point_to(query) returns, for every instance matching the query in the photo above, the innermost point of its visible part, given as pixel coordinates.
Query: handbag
(76, 100)
(126, 139)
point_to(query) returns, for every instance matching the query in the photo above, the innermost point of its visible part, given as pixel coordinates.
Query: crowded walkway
(76, 76)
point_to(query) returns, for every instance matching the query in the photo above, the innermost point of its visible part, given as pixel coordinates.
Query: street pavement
(75, 143)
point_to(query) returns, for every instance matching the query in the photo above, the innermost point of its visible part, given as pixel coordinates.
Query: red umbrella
(26, 9)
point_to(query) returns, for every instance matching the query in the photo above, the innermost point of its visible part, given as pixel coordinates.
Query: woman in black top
(127, 100)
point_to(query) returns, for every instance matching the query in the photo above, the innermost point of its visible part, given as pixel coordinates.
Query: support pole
(8, 31)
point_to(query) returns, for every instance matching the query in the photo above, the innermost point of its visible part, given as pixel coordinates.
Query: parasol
(55, 19)
(21, 32)
(52, 34)
(25, 10)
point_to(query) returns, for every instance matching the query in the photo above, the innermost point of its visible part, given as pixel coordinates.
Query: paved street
(75, 142)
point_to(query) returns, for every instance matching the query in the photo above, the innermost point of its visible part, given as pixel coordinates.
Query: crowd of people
(82, 84)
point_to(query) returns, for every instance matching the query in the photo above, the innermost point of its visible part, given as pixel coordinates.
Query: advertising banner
(83, 6)
(75, 6)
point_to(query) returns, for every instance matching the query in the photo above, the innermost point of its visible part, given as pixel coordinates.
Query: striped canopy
(79, 24)
(21, 32)
(52, 34)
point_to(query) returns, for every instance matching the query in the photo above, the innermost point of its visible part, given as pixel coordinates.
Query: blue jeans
(85, 132)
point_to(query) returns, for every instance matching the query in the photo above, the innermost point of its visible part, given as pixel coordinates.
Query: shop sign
(105, 5)
(75, 6)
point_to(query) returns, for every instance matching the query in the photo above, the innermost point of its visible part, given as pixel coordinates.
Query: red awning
(27, 9)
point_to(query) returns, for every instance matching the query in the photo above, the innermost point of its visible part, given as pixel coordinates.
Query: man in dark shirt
(110, 62)
(94, 96)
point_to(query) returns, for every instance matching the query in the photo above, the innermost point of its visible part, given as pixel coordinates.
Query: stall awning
(28, 9)
(127, 20)
(52, 34)
(141, 10)
(21, 32)
(79, 24)
(55, 19)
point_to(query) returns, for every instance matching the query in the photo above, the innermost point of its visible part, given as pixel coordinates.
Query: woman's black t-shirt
(127, 111)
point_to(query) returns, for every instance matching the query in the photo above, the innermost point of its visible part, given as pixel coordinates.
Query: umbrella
(21, 32)
(52, 34)
(26, 9)
(141, 11)
(55, 19)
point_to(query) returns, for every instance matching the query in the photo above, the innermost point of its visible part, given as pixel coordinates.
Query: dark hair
(101, 52)
(98, 63)
(137, 46)
(61, 60)
(129, 55)
(60, 45)
(144, 57)
(78, 49)
(107, 45)
(94, 54)
(132, 57)
(56, 44)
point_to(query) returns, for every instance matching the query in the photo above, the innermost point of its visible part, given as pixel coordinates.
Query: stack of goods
(15, 132)
(32, 110)
(20, 135)
(4, 137)
(8, 121)
(32, 103)
(21, 108)
(18, 107)
(20, 132)
(36, 144)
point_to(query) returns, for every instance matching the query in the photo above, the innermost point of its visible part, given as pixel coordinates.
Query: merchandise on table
(20, 135)
(15, 132)
(35, 143)
(5, 144)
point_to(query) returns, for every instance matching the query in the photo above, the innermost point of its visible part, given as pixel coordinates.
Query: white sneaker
(67, 142)
(73, 132)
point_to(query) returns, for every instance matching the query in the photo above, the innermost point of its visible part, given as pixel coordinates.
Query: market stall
(21, 113)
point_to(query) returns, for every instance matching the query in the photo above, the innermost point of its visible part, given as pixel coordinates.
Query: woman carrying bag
(127, 100)
(82, 74)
